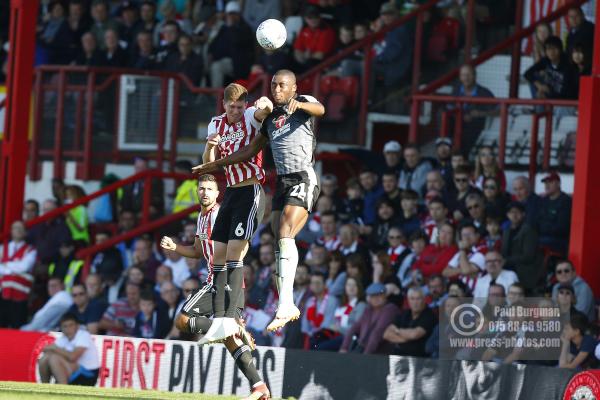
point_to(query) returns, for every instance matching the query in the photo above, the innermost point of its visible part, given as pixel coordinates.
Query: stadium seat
(445, 38)
(437, 48)
(335, 106)
(349, 87)
(306, 85)
(327, 85)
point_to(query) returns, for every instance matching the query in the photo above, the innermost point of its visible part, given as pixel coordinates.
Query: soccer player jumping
(242, 207)
(198, 307)
(290, 130)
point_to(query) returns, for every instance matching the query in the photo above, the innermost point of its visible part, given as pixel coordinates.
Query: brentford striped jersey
(206, 221)
(233, 138)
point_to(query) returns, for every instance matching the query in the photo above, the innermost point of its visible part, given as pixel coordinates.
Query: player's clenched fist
(264, 104)
(293, 105)
(167, 243)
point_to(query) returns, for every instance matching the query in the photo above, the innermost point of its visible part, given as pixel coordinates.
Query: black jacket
(560, 78)
(521, 252)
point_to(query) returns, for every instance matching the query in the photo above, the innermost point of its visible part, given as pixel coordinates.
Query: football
(271, 34)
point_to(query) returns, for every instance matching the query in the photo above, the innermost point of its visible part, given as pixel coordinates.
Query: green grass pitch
(38, 391)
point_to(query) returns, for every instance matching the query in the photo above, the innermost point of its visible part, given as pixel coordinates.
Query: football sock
(220, 282)
(287, 269)
(199, 324)
(243, 359)
(278, 279)
(235, 279)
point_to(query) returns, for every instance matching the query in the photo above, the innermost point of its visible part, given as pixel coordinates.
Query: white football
(271, 34)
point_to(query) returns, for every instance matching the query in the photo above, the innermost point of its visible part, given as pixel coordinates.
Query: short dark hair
(390, 172)
(172, 23)
(366, 170)
(566, 261)
(463, 170)
(413, 146)
(409, 194)
(103, 232)
(329, 214)
(81, 285)
(439, 200)
(467, 224)
(69, 316)
(320, 275)
(385, 201)
(518, 285)
(34, 202)
(147, 295)
(579, 322)
(555, 42)
(418, 235)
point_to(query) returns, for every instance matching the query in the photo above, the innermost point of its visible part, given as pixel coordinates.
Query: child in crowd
(493, 239)
(148, 323)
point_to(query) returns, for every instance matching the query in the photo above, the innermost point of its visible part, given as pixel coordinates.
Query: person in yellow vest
(77, 218)
(66, 267)
(186, 194)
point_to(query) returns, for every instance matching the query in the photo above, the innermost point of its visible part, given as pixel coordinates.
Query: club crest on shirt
(279, 121)
(203, 236)
(282, 127)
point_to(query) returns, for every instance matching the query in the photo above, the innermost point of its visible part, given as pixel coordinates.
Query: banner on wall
(178, 366)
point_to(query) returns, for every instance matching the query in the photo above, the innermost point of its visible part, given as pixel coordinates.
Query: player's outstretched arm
(194, 251)
(246, 153)
(314, 109)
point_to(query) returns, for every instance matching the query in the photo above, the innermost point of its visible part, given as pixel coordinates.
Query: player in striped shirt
(198, 307)
(243, 203)
(290, 131)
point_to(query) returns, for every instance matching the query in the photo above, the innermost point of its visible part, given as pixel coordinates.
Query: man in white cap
(231, 53)
(392, 153)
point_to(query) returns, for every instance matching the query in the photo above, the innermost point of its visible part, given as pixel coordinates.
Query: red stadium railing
(514, 41)
(145, 176)
(503, 105)
(57, 81)
(314, 75)
(49, 139)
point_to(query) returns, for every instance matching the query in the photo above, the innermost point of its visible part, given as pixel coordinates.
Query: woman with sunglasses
(496, 199)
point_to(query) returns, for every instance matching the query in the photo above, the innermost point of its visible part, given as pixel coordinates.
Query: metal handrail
(505, 44)
(504, 103)
(146, 176)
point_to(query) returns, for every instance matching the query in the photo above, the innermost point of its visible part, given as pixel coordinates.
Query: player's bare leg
(290, 222)
(228, 281)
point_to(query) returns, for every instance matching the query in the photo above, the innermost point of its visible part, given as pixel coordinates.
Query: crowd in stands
(381, 257)
(212, 42)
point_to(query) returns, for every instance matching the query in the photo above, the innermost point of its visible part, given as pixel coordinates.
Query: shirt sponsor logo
(232, 136)
(278, 132)
(203, 236)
